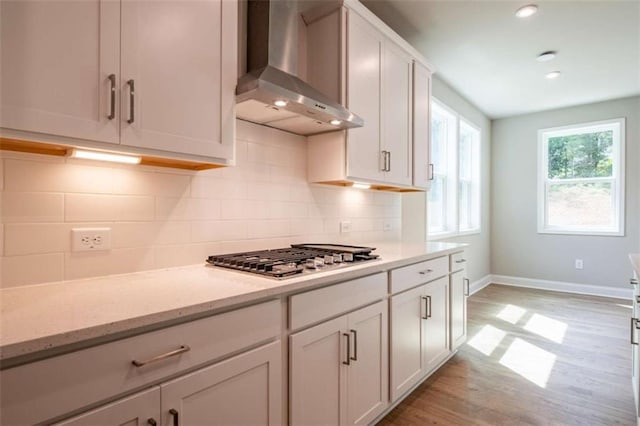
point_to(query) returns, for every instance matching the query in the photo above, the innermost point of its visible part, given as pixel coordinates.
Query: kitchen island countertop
(47, 317)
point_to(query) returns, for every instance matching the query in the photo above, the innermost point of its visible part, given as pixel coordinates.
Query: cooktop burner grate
(298, 259)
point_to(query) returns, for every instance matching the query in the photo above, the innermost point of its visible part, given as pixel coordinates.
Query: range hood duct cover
(272, 60)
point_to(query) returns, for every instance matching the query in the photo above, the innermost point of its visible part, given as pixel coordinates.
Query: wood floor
(532, 358)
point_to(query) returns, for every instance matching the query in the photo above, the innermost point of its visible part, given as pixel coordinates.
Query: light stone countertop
(635, 261)
(44, 317)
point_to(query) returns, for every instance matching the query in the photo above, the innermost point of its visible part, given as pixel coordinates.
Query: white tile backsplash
(164, 217)
(26, 207)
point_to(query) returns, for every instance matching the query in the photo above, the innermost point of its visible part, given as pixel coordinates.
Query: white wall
(413, 211)
(166, 217)
(517, 249)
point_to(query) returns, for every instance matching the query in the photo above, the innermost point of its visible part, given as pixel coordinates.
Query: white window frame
(451, 195)
(617, 179)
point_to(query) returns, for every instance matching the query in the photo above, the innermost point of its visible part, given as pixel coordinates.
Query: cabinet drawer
(418, 273)
(316, 305)
(458, 261)
(45, 389)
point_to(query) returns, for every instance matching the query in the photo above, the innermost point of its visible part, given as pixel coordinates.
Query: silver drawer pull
(633, 281)
(180, 350)
(425, 272)
(461, 260)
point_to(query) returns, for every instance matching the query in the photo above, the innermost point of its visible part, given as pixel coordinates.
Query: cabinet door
(317, 395)
(368, 372)
(436, 326)
(57, 57)
(396, 113)
(364, 53)
(422, 172)
(244, 390)
(458, 308)
(136, 410)
(181, 57)
(407, 361)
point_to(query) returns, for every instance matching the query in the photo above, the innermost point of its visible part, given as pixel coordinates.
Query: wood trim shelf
(9, 144)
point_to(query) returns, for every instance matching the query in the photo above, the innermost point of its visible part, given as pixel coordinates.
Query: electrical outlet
(579, 264)
(345, 226)
(90, 239)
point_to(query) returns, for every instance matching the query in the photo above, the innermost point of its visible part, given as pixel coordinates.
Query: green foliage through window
(586, 155)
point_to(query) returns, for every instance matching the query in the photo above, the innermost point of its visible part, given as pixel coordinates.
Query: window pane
(469, 177)
(442, 130)
(584, 205)
(436, 214)
(465, 206)
(582, 155)
(466, 140)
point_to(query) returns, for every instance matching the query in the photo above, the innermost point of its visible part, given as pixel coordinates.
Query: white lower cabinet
(210, 396)
(435, 326)
(339, 369)
(419, 334)
(244, 390)
(140, 409)
(459, 293)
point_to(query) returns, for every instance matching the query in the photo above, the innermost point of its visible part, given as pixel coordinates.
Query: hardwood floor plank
(563, 359)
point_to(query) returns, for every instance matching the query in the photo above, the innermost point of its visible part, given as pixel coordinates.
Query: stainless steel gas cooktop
(298, 259)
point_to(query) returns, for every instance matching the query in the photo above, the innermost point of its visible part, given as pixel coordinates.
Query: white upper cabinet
(155, 76)
(374, 71)
(422, 167)
(365, 45)
(396, 107)
(60, 62)
(179, 75)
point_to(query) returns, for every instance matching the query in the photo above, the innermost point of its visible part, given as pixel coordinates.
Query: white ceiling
(488, 55)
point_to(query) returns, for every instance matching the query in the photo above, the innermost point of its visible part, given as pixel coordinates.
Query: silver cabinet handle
(176, 417)
(348, 361)
(461, 260)
(425, 272)
(430, 172)
(132, 93)
(638, 299)
(180, 350)
(112, 96)
(386, 161)
(426, 307)
(633, 281)
(355, 345)
(152, 422)
(466, 282)
(634, 324)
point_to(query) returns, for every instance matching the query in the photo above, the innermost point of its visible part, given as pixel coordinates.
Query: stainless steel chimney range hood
(271, 93)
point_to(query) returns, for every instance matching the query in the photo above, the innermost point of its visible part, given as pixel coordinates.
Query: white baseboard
(480, 284)
(592, 290)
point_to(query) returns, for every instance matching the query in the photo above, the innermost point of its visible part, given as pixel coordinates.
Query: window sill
(588, 233)
(444, 236)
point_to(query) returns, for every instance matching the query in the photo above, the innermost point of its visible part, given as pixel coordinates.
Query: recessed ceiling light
(546, 56)
(335, 122)
(553, 74)
(526, 11)
(280, 103)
